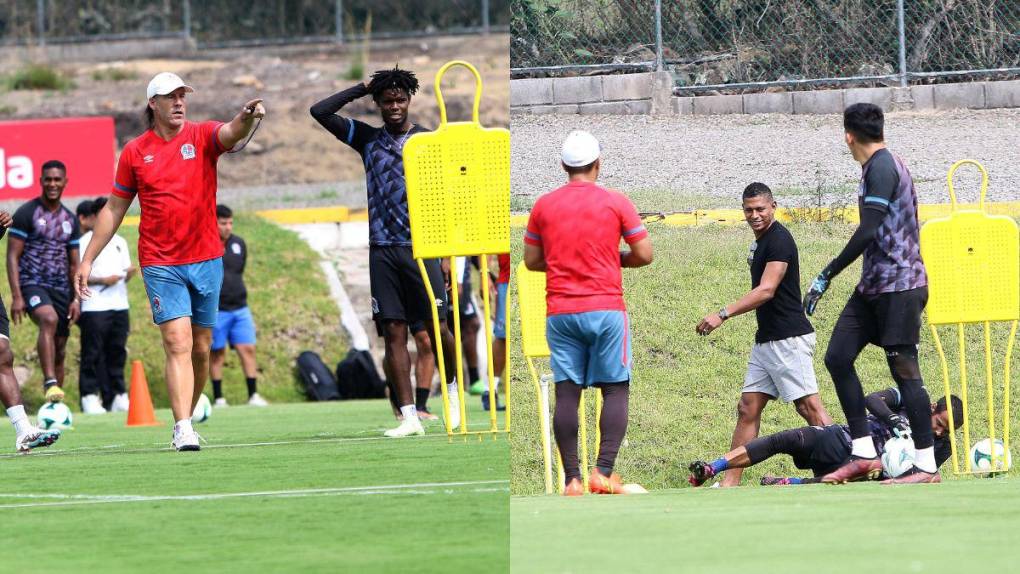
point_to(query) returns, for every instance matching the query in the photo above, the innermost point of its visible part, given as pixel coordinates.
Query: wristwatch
(723, 314)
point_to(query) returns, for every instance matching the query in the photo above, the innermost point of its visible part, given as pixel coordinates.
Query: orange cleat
(915, 476)
(599, 483)
(574, 488)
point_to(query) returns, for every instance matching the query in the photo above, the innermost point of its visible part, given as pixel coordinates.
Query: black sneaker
(700, 472)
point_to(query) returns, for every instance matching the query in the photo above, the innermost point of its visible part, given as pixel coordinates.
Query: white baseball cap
(580, 149)
(165, 82)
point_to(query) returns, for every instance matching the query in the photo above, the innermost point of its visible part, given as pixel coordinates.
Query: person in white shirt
(104, 320)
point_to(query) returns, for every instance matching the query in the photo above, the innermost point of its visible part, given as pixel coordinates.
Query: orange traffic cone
(140, 413)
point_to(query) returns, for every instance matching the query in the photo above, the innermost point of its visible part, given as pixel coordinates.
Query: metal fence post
(338, 21)
(40, 20)
(485, 17)
(658, 35)
(186, 18)
(902, 42)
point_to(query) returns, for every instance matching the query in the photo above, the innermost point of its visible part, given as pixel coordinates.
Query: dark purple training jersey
(48, 237)
(893, 260)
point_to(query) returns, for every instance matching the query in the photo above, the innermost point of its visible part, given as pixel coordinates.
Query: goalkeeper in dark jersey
(824, 449)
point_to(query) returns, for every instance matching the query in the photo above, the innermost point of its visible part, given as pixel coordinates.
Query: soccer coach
(172, 169)
(574, 235)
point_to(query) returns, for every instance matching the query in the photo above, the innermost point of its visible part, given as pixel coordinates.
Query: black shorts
(398, 292)
(886, 319)
(5, 322)
(831, 449)
(39, 296)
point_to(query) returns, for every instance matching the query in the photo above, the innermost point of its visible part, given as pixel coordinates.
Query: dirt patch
(294, 149)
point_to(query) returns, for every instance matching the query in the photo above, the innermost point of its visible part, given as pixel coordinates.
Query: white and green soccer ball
(981, 456)
(54, 416)
(203, 409)
(898, 456)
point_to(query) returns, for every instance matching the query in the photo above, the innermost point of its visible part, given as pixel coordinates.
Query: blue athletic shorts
(191, 290)
(236, 327)
(589, 348)
(499, 325)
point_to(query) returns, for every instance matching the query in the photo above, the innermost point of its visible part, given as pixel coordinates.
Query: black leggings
(612, 425)
(798, 443)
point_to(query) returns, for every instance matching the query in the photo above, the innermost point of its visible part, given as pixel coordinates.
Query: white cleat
(187, 440)
(92, 405)
(120, 403)
(408, 427)
(221, 403)
(256, 400)
(36, 438)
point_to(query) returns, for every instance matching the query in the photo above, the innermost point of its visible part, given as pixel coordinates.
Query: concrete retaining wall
(651, 93)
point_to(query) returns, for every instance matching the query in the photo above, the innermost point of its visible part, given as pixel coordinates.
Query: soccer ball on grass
(202, 409)
(981, 456)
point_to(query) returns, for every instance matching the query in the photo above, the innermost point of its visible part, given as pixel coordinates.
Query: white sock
(864, 448)
(451, 389)
(19, 419)
(498, 381)
(925, 460)
(410, 412)
(183, 426)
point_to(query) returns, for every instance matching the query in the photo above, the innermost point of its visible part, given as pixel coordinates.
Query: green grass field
(960, 526)
(289, 488)
(685, 387)
(288, 297)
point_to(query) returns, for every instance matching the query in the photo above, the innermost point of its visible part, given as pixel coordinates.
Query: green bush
(38, 77)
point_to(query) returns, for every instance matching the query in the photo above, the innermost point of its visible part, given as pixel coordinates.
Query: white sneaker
(92, 405)
(187, 440)
(411, 426)
(120, 403)
(220, 403)
(36, 438)
(256, 400)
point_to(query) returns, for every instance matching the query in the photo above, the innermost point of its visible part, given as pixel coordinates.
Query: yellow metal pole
(963, 392)
(542, 400)
(584, 437)
(1006, 420)
(598, 423)
(487, 325)
(990, 391)
(439, 347)
(458, 352)
(506, 363)
(949, 394)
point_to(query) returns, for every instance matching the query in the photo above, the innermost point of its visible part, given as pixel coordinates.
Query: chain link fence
(753, 44)
(219, 23)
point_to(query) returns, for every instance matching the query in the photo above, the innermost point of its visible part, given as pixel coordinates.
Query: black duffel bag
(357, 377)
(318, 381)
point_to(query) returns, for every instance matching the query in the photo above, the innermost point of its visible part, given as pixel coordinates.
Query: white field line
(424, 488)
(117, 448)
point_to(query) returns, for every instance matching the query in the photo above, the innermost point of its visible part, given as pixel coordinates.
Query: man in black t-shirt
(780, 365)
(234, 323)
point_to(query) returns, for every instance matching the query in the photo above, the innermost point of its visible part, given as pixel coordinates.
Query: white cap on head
(580, 149)
(165, 82)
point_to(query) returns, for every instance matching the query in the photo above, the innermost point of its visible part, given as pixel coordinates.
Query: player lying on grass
(28, 436)
(824, 449)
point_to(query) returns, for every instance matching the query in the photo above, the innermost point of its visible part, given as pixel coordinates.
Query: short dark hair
(84, 208)
(98, 204)
(574, 170)
(940, 407)
(223, 212)
(54, 163)
(383, 80)
(150, 117)
(865, 122)
(757, 189)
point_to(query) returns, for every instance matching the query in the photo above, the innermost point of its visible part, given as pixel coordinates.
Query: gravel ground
(666, 161)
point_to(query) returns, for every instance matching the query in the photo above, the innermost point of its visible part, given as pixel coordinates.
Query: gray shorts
(782, 369)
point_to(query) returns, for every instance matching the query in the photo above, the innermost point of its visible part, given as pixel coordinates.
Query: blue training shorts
(499, 324)
(191, 290)
(236, 327)
(589, 348)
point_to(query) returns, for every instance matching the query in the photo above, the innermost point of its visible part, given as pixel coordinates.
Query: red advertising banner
(85, 145)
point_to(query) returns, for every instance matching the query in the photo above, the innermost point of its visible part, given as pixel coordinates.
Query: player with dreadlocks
(399, 299)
